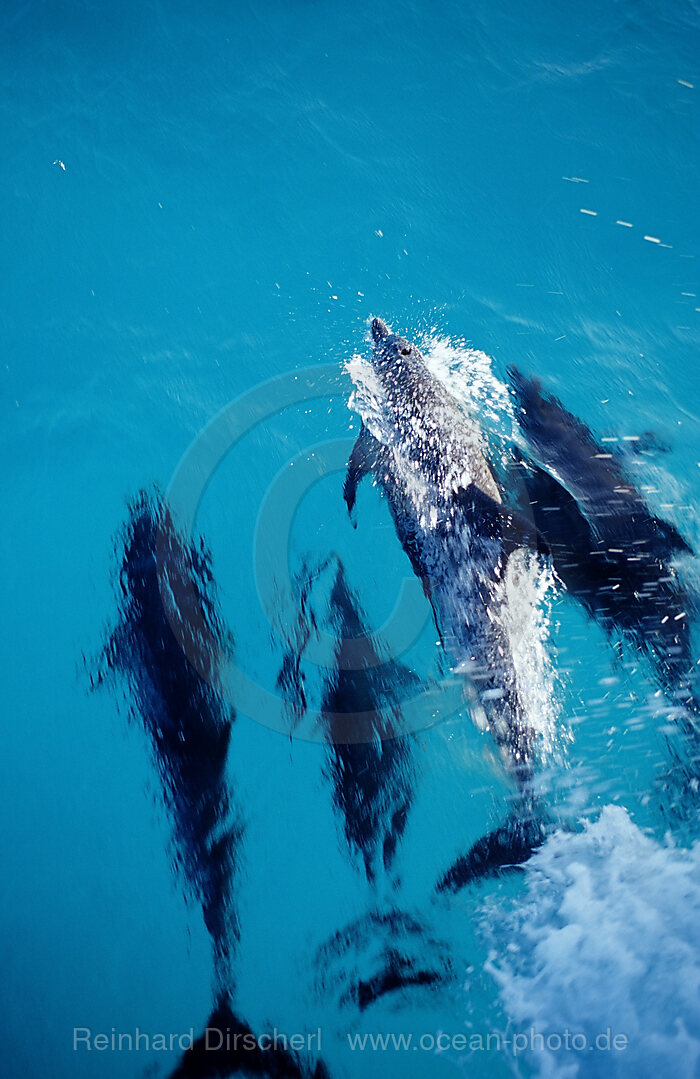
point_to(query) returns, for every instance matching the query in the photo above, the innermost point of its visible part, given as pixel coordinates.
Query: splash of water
(607, 937)
(469, 376)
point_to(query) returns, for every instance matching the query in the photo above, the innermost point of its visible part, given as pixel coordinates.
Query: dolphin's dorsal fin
(501, 521)
(672, 536)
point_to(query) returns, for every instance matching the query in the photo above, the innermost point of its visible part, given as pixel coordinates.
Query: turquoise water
(198, 198)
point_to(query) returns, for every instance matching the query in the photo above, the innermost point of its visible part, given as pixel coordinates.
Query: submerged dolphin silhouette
(608, 548)
(428, 457)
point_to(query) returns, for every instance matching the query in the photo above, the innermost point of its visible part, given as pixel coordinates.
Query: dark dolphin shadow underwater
(613, 555)
(187, 723)
(369, 755)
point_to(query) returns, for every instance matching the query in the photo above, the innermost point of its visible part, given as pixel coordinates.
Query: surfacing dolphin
(429, 458)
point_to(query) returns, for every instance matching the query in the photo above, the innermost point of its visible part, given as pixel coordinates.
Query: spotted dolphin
(429, 458)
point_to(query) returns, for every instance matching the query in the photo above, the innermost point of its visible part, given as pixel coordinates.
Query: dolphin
(429, 458)
(611, 552)
(373, 778)
(187, 723)
(369, 759)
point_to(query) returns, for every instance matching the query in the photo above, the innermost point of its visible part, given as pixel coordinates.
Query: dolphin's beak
(380, 330)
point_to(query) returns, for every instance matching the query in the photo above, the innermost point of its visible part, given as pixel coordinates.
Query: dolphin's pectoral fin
(361, 462)
(502, 850)
(502, 522)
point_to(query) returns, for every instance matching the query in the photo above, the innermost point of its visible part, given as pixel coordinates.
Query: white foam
(526, 614)
(607, 937)
(468, 374)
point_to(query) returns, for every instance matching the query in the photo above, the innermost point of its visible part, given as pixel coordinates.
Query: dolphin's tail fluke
(505, 849)
(229, 1047)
